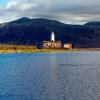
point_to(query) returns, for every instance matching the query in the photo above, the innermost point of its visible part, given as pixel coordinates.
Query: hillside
(95, 23)
(27, 31)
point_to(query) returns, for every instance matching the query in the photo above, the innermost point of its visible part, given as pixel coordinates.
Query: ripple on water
(50, 76)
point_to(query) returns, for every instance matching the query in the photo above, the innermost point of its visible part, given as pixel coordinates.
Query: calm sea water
(50, 76)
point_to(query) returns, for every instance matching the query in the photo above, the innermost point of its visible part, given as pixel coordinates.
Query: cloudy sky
(68, 11)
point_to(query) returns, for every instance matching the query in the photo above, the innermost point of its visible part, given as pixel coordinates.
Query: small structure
(68, 46)
(52, 44)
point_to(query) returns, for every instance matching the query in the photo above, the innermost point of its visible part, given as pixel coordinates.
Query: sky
(67, 11)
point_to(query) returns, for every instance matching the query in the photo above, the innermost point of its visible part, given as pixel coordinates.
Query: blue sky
(3, 1)
(68, 11)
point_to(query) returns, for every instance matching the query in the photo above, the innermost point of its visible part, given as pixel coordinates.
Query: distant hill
(93, 24)
(27, 31)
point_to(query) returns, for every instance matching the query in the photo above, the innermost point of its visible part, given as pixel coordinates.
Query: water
(50, 76)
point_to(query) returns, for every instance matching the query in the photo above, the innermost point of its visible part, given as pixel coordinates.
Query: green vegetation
(16, 48)
(20, 48)
(31, 49)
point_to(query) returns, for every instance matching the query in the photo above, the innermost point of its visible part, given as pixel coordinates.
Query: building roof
(51, 41)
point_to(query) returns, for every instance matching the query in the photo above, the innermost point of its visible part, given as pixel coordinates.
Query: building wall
(68, 46)
(52, 44)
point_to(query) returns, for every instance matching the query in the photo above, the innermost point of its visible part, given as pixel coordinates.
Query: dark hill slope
(93, 24)
(33, 31)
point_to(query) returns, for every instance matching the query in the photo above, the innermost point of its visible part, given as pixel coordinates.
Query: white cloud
(73, 11)
(11, 4)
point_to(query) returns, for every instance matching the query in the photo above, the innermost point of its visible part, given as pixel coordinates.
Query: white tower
(52, 36)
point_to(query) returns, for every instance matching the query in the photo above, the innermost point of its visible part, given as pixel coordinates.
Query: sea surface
(50, 76)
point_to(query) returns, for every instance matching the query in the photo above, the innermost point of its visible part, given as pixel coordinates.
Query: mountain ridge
(93, 23)
(25, 31)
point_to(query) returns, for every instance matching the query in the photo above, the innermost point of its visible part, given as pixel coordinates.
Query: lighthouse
(52, 44)
(52, 36)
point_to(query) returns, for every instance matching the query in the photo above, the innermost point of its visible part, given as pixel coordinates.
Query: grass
(28, 49)
(16, 48)
(31, 49)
